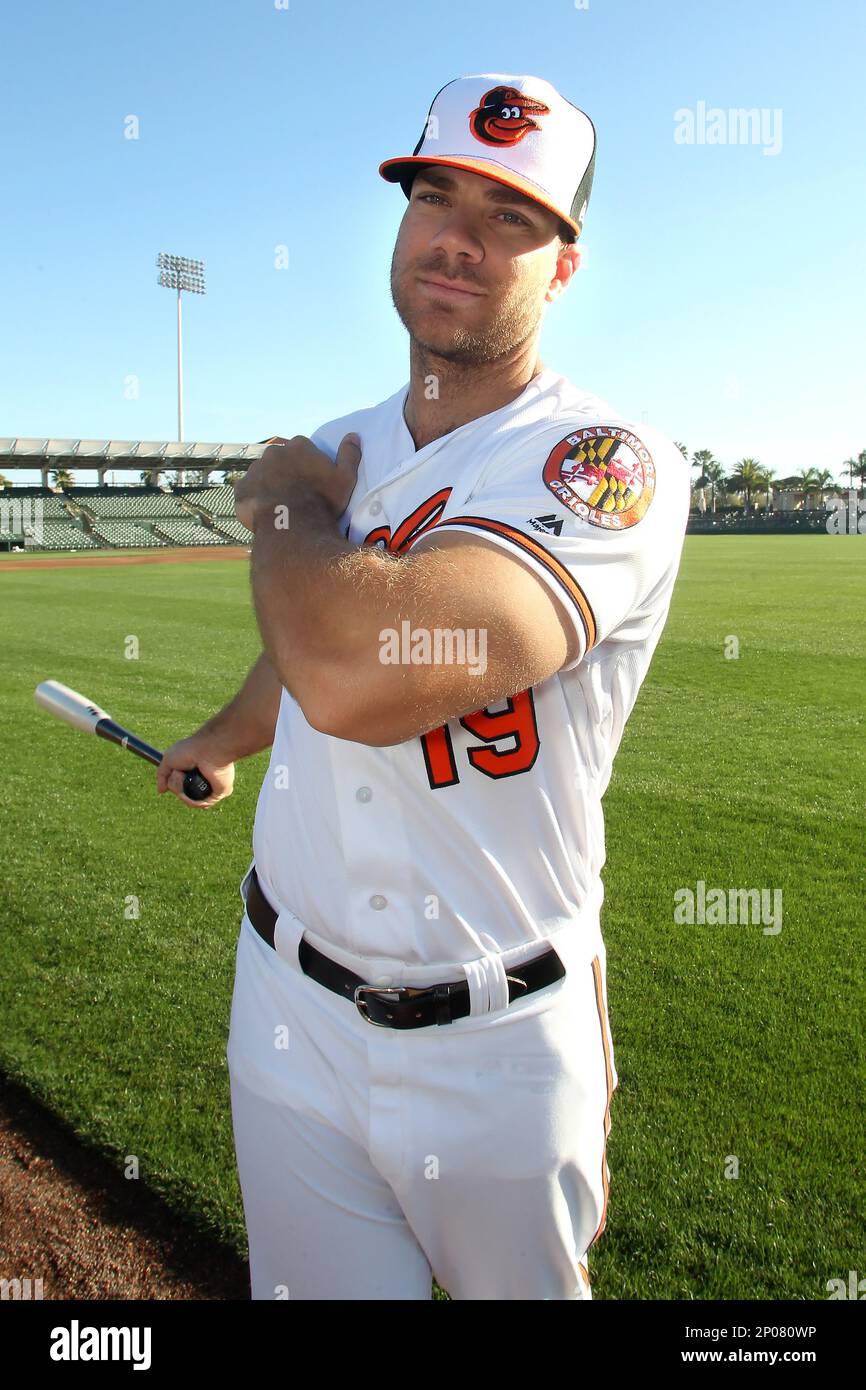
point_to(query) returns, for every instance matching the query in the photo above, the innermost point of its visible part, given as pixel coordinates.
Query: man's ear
(567, 263)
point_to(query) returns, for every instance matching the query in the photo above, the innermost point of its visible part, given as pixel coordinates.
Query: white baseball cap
(517, 130)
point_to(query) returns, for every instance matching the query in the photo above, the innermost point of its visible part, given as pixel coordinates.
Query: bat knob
(196, 787)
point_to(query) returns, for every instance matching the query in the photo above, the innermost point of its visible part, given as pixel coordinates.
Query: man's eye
(518, 221)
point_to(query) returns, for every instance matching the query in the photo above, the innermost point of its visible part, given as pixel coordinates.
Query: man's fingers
(175, 784)
(170, 779)
(350, 448)
(349, 452)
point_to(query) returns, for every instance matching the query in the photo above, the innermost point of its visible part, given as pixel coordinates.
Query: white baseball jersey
(485, 834)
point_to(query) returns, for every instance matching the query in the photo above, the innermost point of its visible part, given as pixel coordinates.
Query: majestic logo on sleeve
(604, 474)
(505, 115)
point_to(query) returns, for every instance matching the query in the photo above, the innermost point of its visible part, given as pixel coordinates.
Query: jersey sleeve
(598, 514)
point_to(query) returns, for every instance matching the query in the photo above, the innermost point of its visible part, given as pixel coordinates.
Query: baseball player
(459, 592)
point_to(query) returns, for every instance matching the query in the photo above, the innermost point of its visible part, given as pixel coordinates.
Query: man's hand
(288, 464)
(203, 751)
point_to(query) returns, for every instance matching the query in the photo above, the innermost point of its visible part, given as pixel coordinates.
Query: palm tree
(822, 478)
(700, 459)
(807, 481)
(714, 474)
(62, 478)
(746, 478)
(4, 482)
(856, 469)
(682, 448)
(767, 476)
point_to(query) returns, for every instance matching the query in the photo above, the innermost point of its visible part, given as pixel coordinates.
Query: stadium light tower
(180, 273)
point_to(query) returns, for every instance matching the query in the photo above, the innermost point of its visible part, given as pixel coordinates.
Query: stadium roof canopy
(122, 453)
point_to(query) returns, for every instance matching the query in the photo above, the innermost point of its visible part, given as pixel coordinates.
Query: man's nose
(458, 235)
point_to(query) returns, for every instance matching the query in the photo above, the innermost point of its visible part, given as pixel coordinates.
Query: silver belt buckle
(400, 990)
(373, 989)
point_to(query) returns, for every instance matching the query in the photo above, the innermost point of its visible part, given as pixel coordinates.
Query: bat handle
(196, 787)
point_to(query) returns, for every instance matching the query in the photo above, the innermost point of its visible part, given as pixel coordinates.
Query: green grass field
(729, 1041)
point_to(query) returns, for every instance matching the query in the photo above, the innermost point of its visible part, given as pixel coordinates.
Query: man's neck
(444, 395)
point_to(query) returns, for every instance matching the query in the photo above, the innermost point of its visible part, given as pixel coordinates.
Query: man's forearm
(314, 594)
(246, 724)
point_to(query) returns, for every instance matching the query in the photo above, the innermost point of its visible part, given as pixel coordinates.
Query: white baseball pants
(370, 1158)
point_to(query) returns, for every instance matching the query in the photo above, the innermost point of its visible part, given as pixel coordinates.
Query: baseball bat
(83, 714)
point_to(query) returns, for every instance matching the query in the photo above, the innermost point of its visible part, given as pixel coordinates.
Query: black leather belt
(400, 1007)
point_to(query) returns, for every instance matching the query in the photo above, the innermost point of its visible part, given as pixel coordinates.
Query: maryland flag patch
(604, 474)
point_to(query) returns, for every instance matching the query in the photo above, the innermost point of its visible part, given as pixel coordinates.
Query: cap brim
(395, 170)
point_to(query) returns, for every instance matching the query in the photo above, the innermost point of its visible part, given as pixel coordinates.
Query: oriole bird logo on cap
(505, 116)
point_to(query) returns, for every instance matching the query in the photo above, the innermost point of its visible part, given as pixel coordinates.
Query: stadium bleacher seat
(53, 507)
(127, 534)
(116, 504)
(218, 504)
(38, 519)
(128, 518)
(234, 529)
(189, 531)
(64, 535)
(216, 501)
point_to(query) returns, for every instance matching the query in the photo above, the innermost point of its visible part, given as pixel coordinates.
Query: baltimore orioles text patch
(603, 473)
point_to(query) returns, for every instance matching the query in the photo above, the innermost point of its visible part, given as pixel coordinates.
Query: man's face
(495, 255)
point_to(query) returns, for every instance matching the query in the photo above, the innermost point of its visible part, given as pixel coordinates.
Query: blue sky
(722, 296)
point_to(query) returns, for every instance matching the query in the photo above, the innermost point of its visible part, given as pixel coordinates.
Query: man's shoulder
(565, 408)
(604, 468)
(584, 427)
(561, 398)
(364, 421)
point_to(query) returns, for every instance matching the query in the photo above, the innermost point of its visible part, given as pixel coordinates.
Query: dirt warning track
(145, 557)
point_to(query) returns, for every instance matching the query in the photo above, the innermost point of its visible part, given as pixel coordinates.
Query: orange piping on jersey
(584, 1273)
(599, 999)
(538, 552)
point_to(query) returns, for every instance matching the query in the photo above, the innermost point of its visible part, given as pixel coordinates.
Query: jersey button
(375, 508)
(363, 794)
(378, 901)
